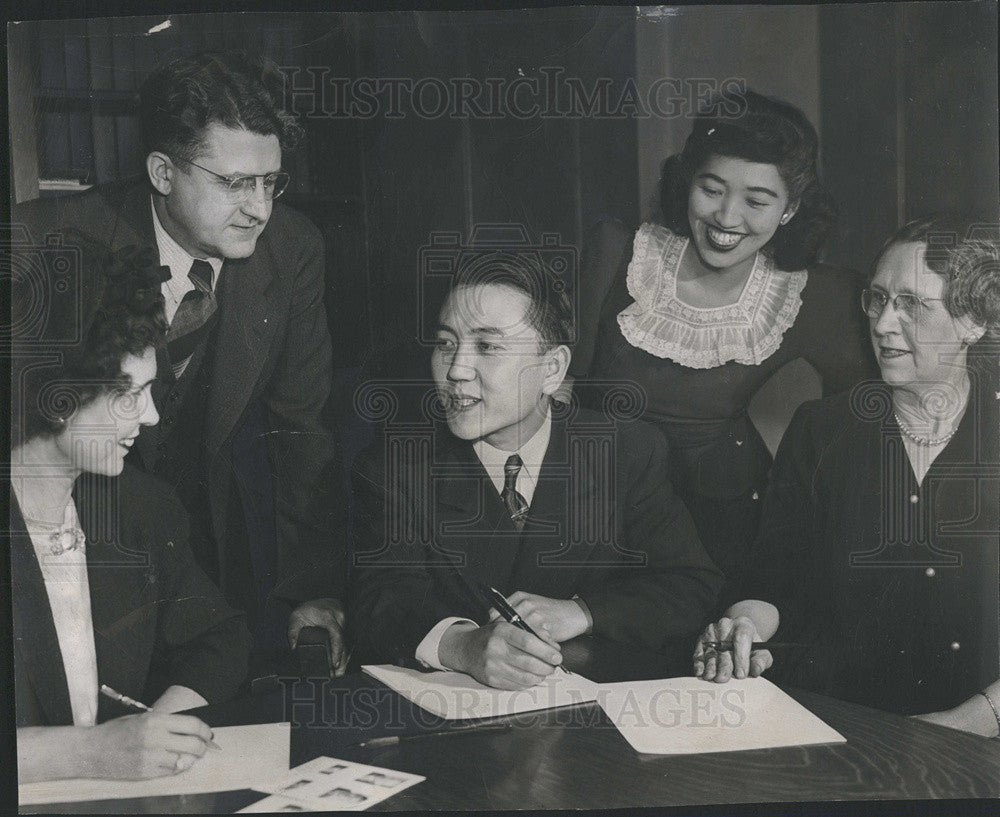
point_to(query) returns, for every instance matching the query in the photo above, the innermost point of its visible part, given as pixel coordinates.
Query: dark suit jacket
(273, 348)
(158, 620)
(603, 524)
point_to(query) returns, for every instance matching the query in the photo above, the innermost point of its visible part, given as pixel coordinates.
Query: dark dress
(157, 618)
(719, 462)
(893, 585)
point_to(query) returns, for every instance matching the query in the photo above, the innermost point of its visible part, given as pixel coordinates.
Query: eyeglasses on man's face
(908, 306)
(238, 189)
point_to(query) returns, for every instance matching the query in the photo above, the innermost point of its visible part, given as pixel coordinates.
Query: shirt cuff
(427, 650)
(586, 612)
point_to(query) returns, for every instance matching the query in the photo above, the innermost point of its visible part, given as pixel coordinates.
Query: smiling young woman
(709, 304)
(104, 586)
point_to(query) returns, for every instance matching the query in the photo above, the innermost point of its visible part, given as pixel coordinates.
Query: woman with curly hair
(878, 545)
(104, 588)
(711, 303)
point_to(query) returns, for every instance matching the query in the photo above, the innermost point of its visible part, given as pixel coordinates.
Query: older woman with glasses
(878, 548)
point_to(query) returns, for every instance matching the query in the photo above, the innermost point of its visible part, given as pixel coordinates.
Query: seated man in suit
(566, 512)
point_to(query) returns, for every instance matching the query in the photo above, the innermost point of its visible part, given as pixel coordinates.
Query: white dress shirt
(532, 454)
(66, 584)
(179, 260)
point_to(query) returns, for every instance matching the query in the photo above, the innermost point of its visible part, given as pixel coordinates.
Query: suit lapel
(118, 582)
(564, 486)
(35, 640)
(472, 521)
(247, 323)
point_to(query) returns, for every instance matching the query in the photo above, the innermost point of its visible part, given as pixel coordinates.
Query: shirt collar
(174, 255)
(531, 452)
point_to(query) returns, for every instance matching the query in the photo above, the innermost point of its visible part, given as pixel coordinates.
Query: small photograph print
(274, 804)
(386, 781)
(342, 797)
(336, 767)
(298, 784)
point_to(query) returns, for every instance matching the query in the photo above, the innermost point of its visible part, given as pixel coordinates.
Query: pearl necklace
(924, 441)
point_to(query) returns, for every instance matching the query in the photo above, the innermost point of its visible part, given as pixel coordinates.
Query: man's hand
(560, 619)
(499, 655)
(328, 614)
(721, 665)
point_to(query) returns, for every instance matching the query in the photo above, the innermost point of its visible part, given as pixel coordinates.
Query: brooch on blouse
(66, 539)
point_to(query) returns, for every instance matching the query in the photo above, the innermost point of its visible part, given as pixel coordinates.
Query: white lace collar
(748, 331)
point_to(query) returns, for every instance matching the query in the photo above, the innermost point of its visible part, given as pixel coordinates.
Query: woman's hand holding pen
(150, 744)
(499, 654)
(711, 664)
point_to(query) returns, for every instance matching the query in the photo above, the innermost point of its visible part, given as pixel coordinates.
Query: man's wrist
(586, 612)
(451, 652)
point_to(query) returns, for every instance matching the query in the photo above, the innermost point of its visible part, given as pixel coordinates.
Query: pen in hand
(125, 700)
(509, 614)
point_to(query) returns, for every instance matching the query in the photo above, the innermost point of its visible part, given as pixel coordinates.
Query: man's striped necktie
(193, 317)
(516, 505)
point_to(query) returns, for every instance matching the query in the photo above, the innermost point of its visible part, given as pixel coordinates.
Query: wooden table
(575, 758)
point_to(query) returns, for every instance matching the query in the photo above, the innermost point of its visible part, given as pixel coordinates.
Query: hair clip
(710, 131)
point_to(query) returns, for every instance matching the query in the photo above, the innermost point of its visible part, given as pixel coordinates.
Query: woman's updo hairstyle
(767, 131)
(118, 311)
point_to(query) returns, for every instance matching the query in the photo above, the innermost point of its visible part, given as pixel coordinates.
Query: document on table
(457, 696)
(682, 716)
(249, 757)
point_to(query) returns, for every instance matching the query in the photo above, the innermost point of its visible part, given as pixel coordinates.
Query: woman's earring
(784, 218)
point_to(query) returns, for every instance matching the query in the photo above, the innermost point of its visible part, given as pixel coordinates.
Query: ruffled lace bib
(748, 331)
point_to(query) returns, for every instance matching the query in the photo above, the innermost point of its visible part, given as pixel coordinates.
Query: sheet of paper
(457, 696)
(249, 757)
(328, 784)
(681, 716)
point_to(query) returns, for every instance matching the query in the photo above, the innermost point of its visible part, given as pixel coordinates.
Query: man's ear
(556, 365)
(160, 170)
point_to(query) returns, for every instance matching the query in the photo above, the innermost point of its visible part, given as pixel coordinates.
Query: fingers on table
(760, 660)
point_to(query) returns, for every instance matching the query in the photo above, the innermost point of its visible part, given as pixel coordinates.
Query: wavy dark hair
(767, 131)
(179, 100)
(551, 310)
(964, 249)
(122, 313)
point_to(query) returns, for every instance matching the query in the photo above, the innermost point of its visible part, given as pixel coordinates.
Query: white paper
(680, 716)
(457, 696)
(328, 784)
(249, 757)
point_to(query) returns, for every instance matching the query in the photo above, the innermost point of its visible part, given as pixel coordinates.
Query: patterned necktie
(516, 505)
(192, 319)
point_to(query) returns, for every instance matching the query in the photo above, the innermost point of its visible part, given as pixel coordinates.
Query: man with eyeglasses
(247, 370)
